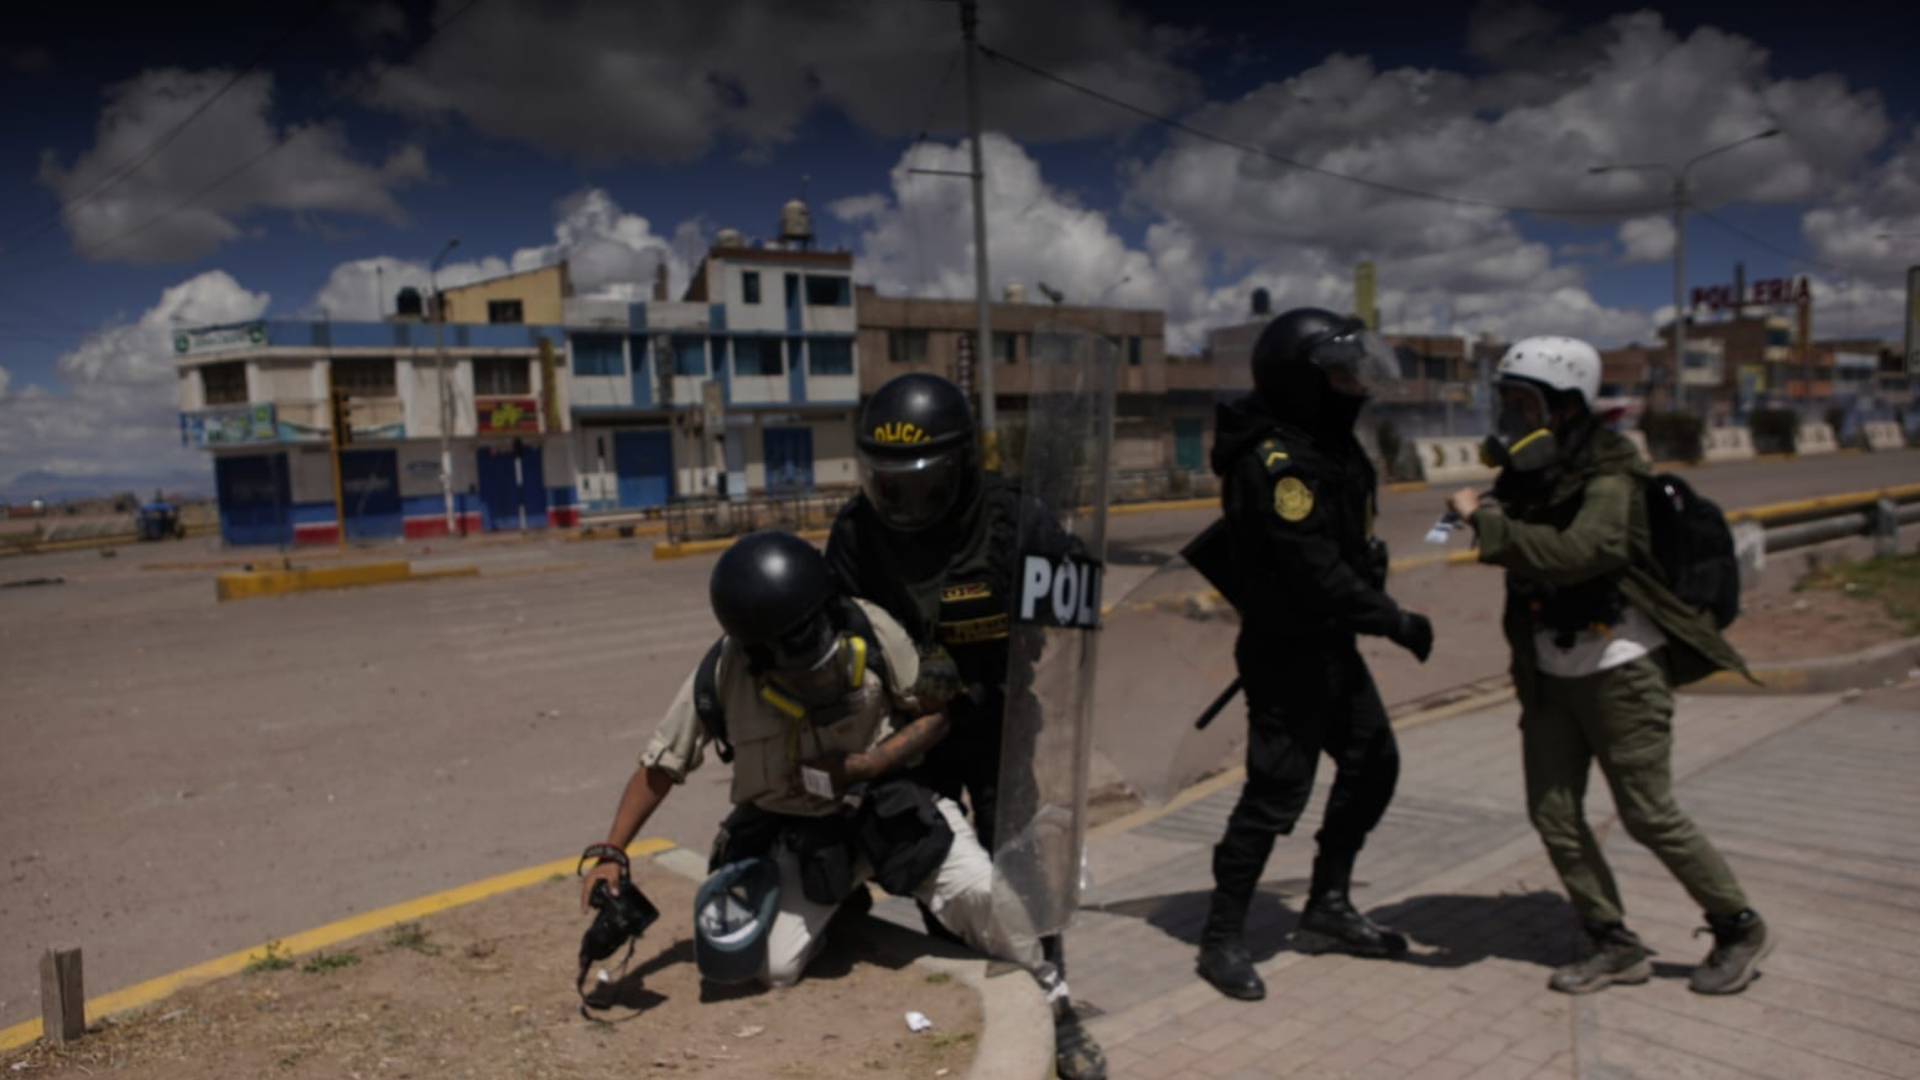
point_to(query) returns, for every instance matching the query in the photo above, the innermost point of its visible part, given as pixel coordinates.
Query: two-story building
(1154, 424)
(746, 385)
(257, 397)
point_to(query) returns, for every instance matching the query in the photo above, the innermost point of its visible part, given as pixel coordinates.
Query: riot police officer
(1299, 499)
(932, 538)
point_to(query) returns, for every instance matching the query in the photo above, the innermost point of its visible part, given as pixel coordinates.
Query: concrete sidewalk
(1812, 798)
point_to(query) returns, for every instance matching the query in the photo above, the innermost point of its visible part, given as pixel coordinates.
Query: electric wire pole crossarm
(1680, 241)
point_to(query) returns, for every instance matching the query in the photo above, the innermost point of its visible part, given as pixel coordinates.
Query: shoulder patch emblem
(1292, 499)
(1273, 456)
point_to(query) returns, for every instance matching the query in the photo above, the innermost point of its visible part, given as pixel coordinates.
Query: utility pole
(446, 403)
(1680, 244)
(982, 351)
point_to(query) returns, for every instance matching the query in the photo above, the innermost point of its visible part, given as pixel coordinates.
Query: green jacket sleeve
(1596, 542)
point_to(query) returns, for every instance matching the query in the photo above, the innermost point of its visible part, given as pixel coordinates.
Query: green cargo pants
(1624, 717)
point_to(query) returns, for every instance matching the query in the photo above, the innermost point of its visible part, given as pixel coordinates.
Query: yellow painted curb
(612, 532)
(1164, 504)
(245, 584)
(668, 549)
(1407, 485)
(153, 990)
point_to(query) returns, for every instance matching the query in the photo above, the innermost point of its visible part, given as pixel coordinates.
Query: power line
(365, 82)
(1767, 245)
(913, 215)
(34, 229)
(1261, 151)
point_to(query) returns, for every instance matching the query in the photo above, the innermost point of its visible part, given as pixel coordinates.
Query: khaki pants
(1624, 718)
(959, 893)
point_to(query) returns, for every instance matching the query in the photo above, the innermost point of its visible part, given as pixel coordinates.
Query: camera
(624, 914)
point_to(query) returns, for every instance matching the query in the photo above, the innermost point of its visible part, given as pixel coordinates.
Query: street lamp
(446, 404)
(1680, 239)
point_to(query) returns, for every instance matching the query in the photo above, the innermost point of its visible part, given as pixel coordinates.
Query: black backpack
(1693, 547)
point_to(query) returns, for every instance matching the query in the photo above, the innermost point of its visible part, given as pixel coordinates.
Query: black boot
(1076, 1053)
(1224, 960)
(1615, 955)
(1330, 923)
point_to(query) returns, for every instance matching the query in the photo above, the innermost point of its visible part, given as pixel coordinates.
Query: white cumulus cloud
(145, 216)
(117, 413)
(1646, 239)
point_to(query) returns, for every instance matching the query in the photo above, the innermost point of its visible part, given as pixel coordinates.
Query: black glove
(939, 680)
(1414, 633)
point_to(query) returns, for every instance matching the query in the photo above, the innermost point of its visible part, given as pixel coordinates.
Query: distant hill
(58, 487)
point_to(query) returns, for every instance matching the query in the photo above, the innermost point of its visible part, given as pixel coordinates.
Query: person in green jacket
(1599, 642)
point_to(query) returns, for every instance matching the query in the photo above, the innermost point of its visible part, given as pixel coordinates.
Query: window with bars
(365, 378)
(504, 311)
(495, 376)
(224, 384)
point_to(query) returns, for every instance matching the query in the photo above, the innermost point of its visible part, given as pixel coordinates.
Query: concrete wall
(542, 295)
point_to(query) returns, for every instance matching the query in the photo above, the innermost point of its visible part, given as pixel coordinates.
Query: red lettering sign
(1770, 292)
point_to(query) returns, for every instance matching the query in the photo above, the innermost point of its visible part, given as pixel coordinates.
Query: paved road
(182, 778)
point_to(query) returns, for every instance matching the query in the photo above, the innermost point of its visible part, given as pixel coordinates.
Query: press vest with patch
(769, 744)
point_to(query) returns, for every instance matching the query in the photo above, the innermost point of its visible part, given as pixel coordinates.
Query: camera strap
(601, 853)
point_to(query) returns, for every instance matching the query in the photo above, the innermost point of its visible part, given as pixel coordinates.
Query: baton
(1219, 703)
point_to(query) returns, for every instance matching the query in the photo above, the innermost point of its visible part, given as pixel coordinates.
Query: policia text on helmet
(915, 445)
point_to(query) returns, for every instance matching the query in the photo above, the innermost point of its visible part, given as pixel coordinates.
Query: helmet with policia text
(915, 445)
(1309, 353)
(733, 914)
(1537, 378)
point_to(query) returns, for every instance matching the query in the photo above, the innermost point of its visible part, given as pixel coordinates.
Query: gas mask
(815, 670)
(1523, 438)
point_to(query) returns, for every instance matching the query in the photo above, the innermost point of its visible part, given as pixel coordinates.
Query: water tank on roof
(729, 238)
(796, 224)
(408, 303)
(1016, 293)
(1262, 302)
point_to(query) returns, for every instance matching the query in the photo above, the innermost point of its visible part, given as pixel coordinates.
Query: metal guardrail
(712, 519)
(1785, 526)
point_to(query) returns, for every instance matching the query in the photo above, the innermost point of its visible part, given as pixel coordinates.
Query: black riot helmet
(771, 592)
(915, 444)
(1311, 361)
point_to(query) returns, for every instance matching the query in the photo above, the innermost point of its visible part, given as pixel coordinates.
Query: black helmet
(768, 586)
(915, 444)
(1309, 353)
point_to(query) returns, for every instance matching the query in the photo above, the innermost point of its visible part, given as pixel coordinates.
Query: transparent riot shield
(1063, 449)
(1167, 665)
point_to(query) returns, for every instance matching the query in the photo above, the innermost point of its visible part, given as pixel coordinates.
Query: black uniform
(1299, 500)
(1299, 510)
(954, 587)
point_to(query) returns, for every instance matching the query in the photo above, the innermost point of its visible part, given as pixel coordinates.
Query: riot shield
(1047, 737)
(1168, 646)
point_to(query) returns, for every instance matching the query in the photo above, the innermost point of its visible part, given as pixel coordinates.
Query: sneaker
(1228, 966)
(1616, 956)
(1739, 942)
(1331, 923)
(1076, 1054)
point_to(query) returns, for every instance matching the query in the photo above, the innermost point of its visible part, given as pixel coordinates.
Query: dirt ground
(485, 990)
(1816, 619)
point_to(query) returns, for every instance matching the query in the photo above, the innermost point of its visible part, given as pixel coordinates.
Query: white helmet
(1559, 363)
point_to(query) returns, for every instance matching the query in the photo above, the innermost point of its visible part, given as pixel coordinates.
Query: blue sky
(622, 135)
